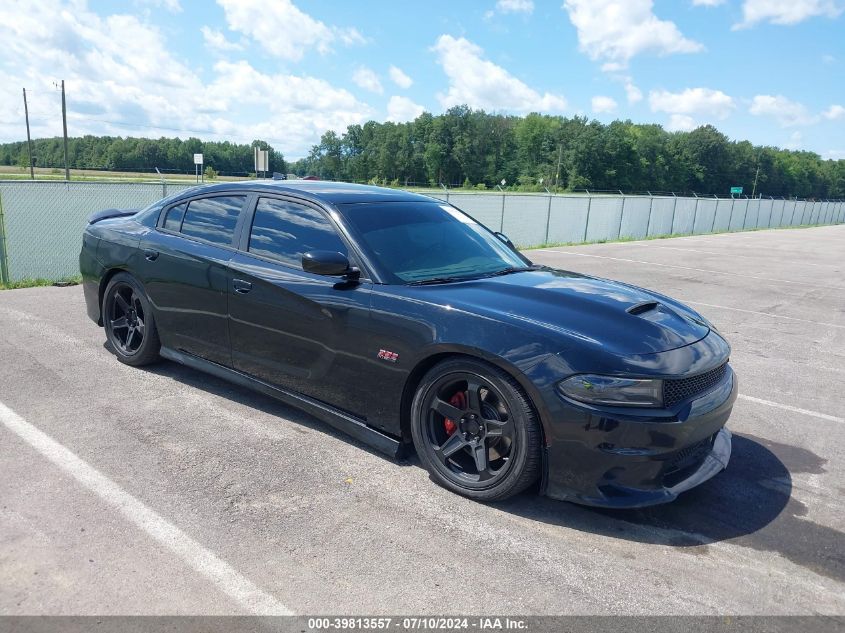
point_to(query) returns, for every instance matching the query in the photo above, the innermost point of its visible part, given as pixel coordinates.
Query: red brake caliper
(459, 400)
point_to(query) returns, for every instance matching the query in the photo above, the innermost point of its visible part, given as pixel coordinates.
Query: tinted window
(415, 241)
(213, 219)
(284, 231)
(173, 219)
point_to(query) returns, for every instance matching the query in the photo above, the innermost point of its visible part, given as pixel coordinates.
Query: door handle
(241, 287)
(150, 255)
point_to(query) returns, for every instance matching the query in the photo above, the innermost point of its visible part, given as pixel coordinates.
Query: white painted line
(654, 246)
(700, 270)
(766, 314)
(220, 573)
(786, 407)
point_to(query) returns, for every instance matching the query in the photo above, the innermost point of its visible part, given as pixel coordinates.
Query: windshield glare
(419, 241)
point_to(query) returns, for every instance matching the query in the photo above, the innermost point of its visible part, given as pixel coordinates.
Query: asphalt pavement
(166, 491)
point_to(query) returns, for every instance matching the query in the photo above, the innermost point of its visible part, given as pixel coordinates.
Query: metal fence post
(674, 207)
(587, 221)
(695, 214)
(4, 265)
(621, 217)
(650, 206)
(548, 219)
(745, 215)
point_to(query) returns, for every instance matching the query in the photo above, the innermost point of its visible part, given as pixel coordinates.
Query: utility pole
(64, 126)
(754, 188)
(28, 138)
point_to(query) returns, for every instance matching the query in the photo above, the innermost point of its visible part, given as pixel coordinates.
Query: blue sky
(770, 71)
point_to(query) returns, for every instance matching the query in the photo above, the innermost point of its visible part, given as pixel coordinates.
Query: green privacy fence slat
(41, 222)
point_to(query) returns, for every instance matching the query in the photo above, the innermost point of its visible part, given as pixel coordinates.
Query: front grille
(675, 391)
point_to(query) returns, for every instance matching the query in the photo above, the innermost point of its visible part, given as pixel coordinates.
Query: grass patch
(35, 283)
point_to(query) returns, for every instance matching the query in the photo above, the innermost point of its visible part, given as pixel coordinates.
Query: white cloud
(707, 3)
(701, 102)
(217, 42)
(480, 83)
(603, 104)
(617, 30)
(834, 112)
(121, 79)
(795, 140)
(786, 12)
(401, 109)
(515, 6)
(681, 123)
(367, 79)
(786, 112)
(632, 92)
(173, 6)
(283, 29)
(399, 78)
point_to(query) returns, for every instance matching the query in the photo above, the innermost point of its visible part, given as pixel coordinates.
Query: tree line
(116, 153)
(472, 148)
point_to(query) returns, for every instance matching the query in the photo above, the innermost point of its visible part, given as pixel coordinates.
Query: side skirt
(336, 418)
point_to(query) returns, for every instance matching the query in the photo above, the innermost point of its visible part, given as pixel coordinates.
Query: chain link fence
(41, 222)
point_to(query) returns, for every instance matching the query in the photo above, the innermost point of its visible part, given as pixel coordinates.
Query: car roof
(317, 190)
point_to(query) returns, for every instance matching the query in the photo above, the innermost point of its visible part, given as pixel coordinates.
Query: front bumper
(628, 460)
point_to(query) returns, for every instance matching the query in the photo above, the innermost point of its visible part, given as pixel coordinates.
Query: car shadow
(253, 399)
(749, 504)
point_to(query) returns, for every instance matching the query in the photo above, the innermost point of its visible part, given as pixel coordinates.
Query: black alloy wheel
(475, 430)
(129, 322)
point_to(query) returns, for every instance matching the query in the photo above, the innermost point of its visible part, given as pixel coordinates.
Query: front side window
(284, 230)
(213, 219)
(420, 241)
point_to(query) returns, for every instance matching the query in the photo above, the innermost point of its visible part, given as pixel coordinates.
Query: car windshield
(418, 242)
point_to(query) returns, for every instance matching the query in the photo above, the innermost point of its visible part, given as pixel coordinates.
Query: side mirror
(505, 239)
(330, 263)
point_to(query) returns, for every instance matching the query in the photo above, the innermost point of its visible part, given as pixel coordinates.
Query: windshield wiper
(513, 269)
(438, 280)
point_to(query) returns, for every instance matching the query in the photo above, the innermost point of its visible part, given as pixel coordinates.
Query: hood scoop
(641, 308)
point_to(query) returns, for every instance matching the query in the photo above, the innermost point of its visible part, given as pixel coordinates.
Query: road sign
(736, 191)
(197, 159)
(262, 160)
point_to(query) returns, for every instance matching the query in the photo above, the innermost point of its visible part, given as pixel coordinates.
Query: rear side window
(213, 219)
(285, 230)
(173, 219)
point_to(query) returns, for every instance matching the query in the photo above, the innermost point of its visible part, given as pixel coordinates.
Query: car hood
(617, 317)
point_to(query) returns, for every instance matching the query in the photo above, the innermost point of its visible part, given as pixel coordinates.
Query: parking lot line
(205, 562)
(786, 407)
(766, 314)
(699, 270)
(661, 247)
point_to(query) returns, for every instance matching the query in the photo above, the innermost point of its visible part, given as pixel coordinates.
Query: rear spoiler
(105, 214)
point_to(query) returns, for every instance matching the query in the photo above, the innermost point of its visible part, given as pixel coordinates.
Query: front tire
(475, 430)
(129, 322)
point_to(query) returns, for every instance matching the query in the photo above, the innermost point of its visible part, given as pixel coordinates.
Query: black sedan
(402, 321)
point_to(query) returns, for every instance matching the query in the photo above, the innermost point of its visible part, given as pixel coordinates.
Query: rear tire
(129, 322)
(475, 430)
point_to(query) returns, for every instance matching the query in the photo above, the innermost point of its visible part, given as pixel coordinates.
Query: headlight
(612, 390)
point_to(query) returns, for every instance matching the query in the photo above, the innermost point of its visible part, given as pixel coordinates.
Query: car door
(290, 328)
(184, 270)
